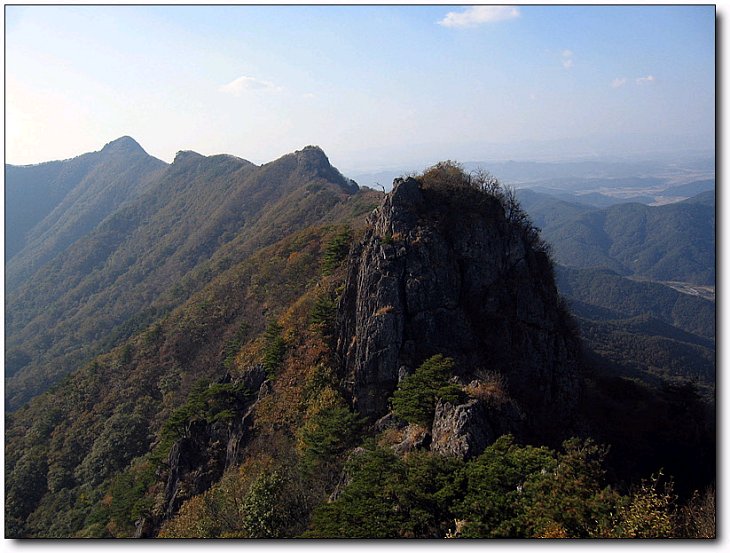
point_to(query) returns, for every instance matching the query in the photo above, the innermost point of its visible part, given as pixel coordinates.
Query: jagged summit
(312, 154)
(449, 270)
(186, 155)
(314, 162)
(124, 144)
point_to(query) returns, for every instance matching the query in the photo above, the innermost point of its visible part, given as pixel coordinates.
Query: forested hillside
(50, 205)
(264, 352)
(669, 242)
(199, 216)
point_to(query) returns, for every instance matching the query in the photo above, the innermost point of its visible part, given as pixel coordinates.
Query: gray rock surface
(439, 272)
(414, 437)
(461, 430)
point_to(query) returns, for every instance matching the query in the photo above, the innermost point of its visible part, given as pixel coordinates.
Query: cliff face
(450, 272)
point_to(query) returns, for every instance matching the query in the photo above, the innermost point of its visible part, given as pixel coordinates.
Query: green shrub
(207, 402)
(329, 433)
(390, 497)
(494, 481)
(336, 250)
(571, 500)
(274, 348)
(268, 511)
(129, 499)
(234, 345)
(323, 314)
(416, 396)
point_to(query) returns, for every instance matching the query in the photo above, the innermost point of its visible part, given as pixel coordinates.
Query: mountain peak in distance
(124, 144)
(312, 160)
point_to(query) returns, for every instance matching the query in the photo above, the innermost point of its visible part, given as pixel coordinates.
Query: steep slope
(649, 350)
(130, 437)
(200, 216)
(642, 330)
(76, 439)
(453, 271)
(232, 414)
(705, 198)
(49, 206)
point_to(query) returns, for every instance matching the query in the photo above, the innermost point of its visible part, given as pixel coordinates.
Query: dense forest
(271, 351)
(662, 243)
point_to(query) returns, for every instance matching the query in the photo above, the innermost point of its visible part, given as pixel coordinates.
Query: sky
(374, 86)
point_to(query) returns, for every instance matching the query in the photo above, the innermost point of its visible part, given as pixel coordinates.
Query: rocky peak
(185, 156)
(313, 155)
(125, 145)
(448, 271)
(313, 163)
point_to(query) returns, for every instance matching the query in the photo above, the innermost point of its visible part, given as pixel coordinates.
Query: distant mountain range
(669, 242)
(592, 182)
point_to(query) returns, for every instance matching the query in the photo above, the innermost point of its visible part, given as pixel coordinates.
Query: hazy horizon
(374, 86)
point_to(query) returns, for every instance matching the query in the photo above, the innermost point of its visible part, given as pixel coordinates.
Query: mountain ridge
(269, 336)
(191, 210)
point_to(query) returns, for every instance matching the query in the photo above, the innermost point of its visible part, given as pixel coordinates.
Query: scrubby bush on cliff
(206, 402)
(415, 399)
(451, 177)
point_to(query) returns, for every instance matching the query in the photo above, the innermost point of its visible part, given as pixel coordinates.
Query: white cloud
(568, 61)
(242, 83)
(479, 15)
(645, 80)
(618, 82)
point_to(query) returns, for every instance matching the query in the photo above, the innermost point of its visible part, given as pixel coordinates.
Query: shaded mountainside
(245, 372)
(642, 330)
(669, 242)
(50, 205)
(621, 297)
(281, 366)
(693, 188)
(197, 218)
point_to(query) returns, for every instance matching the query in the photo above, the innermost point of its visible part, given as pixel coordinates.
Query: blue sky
(374, 86)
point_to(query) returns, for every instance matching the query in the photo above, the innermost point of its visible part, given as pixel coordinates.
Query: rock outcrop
(461, 430)
(454, 272)
(199, 459)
